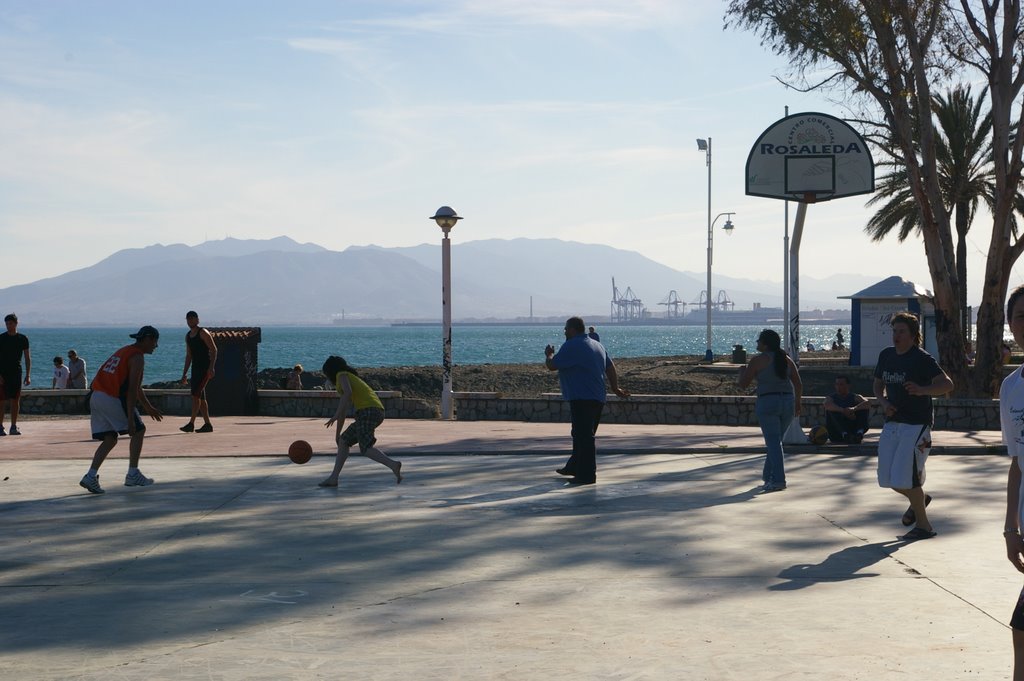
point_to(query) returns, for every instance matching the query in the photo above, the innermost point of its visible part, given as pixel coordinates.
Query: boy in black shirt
(906, 379)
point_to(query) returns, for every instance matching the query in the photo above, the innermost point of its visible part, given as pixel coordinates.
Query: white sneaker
(137, 479)
(91, 483)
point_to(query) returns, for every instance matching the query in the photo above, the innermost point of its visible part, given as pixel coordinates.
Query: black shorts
(1017, 619)
(11, 389)
(198, 382)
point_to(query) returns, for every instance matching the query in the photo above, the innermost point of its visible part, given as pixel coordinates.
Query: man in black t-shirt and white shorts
(906, 379)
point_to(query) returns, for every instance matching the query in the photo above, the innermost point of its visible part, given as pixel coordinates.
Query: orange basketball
(300, 451)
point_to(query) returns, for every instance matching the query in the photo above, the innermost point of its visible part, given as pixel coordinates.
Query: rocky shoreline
(677, 375)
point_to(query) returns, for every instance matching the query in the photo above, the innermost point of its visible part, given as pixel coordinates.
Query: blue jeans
(774, 414)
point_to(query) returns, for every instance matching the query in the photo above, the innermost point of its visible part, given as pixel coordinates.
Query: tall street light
(709, 356)
(705, 146)
(446, 218)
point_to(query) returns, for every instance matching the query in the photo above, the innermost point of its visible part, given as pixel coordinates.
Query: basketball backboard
(809, 157)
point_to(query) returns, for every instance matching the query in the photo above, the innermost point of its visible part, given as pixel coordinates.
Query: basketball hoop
(810, 158)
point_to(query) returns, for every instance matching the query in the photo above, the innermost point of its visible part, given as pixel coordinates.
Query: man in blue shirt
(582, 365)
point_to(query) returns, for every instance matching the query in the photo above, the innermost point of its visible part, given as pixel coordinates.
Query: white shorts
(902, 452)
(108, 416)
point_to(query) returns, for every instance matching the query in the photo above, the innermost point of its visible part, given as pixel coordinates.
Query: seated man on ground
(846, 413)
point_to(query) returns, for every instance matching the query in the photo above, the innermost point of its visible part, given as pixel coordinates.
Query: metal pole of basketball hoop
(795, 434)
(446, 218)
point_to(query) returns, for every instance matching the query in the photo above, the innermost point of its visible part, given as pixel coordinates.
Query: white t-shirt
(61, 374)
(1011, 422)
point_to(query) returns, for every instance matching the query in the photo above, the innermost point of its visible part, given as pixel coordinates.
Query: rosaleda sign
(809, 157)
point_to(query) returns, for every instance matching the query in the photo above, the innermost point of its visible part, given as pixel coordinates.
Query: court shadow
(841, 566)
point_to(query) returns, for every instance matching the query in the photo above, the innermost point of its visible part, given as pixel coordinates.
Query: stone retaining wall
(716, 410)
(311, 403)
(323, 404)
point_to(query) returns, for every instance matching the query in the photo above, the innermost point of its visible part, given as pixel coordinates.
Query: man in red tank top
(116, 393)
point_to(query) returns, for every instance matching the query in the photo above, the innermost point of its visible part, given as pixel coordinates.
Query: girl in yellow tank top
(355, 393)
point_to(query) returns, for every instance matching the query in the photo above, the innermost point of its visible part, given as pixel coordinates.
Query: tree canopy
(881, 59)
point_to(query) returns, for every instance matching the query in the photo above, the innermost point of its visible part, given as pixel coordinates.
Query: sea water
(390, 346)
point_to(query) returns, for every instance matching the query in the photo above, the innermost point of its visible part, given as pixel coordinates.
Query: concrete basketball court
(236, 566)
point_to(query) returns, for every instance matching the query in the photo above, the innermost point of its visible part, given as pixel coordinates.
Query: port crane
(626, 306)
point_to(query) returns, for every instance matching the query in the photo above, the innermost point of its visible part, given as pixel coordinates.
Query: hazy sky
(348, 123)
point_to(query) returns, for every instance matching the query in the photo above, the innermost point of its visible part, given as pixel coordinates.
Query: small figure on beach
(582, 365)
(201, 354)
(116, 395)
(76, 365)
(846, 413)
(906, 379)
(779, 392)
(593, 334)
(839, 339)
(61, 374)
(810, 346)
(294, 381)
(1011, 421)
(369, 414)
(13, 347)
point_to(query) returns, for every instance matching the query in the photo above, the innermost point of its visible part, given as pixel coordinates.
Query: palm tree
(963, 156)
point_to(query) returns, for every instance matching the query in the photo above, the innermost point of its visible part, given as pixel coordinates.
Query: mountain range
(281, 281)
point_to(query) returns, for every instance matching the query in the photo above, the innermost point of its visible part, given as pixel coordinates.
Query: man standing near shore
(582, 364)
(201, 354)
(76, 365)
(13, 346)
(906, 379)
(113, 407)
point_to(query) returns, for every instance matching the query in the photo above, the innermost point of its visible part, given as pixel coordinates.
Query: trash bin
(739, 355)
(232, 392)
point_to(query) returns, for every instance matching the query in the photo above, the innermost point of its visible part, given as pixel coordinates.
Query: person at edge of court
(369, 414)
(13, 346)
(779, 393)
(76, 365)
(906, 379)
(294, 380)
(846, 413)
(113, 407)
(1011, 422)
(582, 365)
(61, 374)
(201, 354)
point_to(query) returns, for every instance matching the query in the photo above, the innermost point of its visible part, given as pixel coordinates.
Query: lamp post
(709, 356)
(705, 146)
(446, 218)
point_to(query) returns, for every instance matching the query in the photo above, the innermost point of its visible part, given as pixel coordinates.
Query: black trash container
(232, 392)
(739, 355)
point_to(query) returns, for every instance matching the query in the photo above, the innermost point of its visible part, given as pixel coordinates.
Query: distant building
(872, 310)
